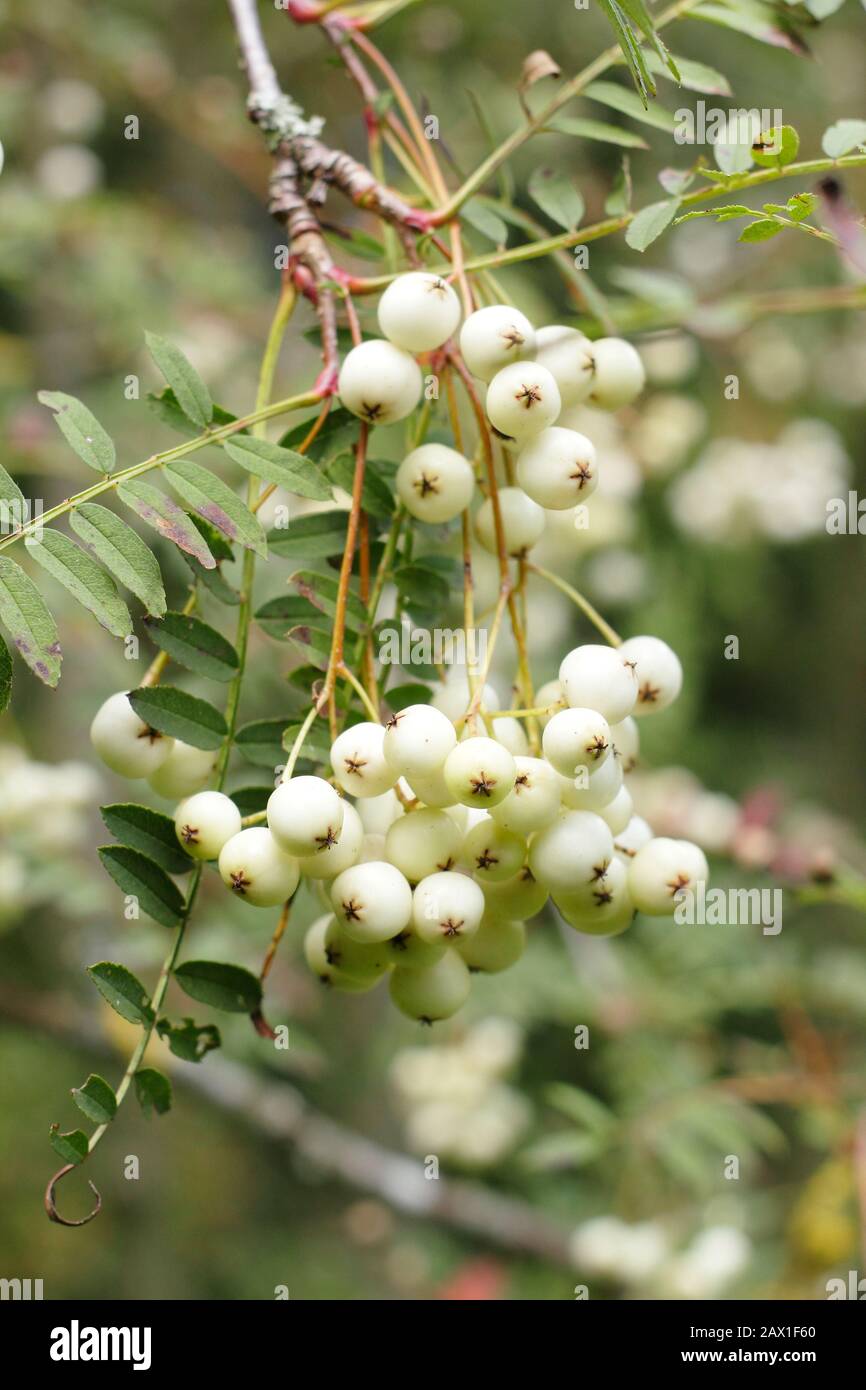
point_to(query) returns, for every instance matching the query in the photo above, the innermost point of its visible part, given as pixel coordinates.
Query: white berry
(380, 382)
(480, 772)
(576, 738)
(359, 763)
(124, 742)
(447, 907)
(185, 770)
(256, 869)
(330, 860)
(433, 993)
(636, 834)
(331, 954)
(493, 853)
(511, 734)
(618, 812)
(378, 813)
(372, 901)
(305, 815)
(522, 400)
(534, 801)
(523, 522)
(603, 908)
(410, 951)
(422, 842)
(557, 468)
(417, 741)
(492, 338)
(432, 789)
(657, 670)
(590, 788)
(626, 742)
(497, 945)
(566, 353)
(418, 311)
(452, 695)
(519, 898)
(617, 373)
(435, 483)
(599, 678)
(574, 850)
(548, 694)
(661, 870)
(204, 822)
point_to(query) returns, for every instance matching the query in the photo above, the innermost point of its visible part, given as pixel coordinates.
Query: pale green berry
(480, 773)
(576, 738)
(497, 945)
(626, 742)
(380, 382)
(534, 801)
(522, 400)
(574, 850)
(493, 853)
(523, 523)
(493, 337)
(618, 812)
(636, 834)
(256, 869)
(124, 742)
(330, 860)
(185, 770)
(359, 762)
(435, 483)
(661, 871)
(410, 951)
(599, 678)
(446, 907)
(372, 901)
(305, 815)
(591, 788)
(557, 468)
(566, 353)
(433, 993)
(417, 741)
(519, 898)
(203, 823)
(330, 951)
(422, 842)
(618, 374)
(657, 670)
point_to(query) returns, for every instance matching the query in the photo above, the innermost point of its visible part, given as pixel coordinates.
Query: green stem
(157, 460)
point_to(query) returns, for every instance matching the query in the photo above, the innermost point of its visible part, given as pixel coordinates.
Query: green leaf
(412, 693)
(732, 157)
(184, 716)
(81, 429)
(5, 676)
(758, 22)
(842, 137)
(152, 1091)
(419, 584)
(482, 217)
(801, 205)
(216, 502)
(629, 103)
(139, 877)
(631, 49)
(148, 831)
(194, 644)
(650, 222)
(122, 551)
(694, 76)
(565, 1149)
(640, 16)
(251, 800)
(260, 742)
(556, 195)
(72, 1146)
(321, 591)
(597, 130)
(214, 582)
(96, 1100)
(284, 467)
(357, 243)
(676, 181)
(313, 643)
(192, 395)
(618, 199)
(84, 579)
(13, 508)
(166, 517)
(30, 625)
(336, 434)
(762, 230)
(226, 987)
(317, 745)
(120, 988)
(187, 1040)
(166, 408)
(310, 537)
(581, 1107)
(215, 541)
(377, 496)
(279, 614)
(776, 147)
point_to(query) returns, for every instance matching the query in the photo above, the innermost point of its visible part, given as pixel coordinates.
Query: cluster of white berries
(451, 842)
(531, 377)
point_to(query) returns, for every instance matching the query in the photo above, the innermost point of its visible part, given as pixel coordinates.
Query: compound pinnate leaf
(122, 551)
(153, 1091)
(214, 500)
(227, 987)
(556, 195)
(141, 878)
(122, 991)
(650, 222)
(195, 644)
(96, 1100)
(623, 99)
(165, 516)
(190, 391)
(81, 429)
(83, 578)
(260, 742)
(762, 230)
(24, 614)
(284, 467)
(149, 831)
(179, 714)
(586, 129)
(321, 591)
(310, 537)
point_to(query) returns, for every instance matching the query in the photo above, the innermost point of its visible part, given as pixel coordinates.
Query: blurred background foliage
(704, 1042)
